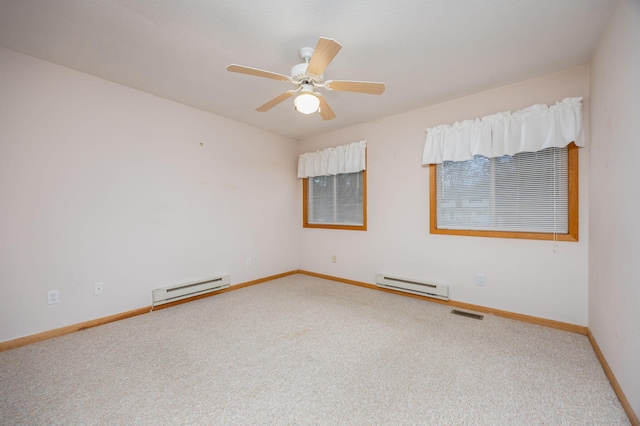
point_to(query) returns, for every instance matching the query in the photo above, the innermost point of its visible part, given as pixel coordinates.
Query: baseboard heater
(196, 288)
(423, 288)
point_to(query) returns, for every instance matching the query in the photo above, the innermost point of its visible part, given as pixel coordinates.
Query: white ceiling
(426, 51)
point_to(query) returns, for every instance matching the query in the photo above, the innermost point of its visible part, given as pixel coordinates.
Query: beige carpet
(301, 350)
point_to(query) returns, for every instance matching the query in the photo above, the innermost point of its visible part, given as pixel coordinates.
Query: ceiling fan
(308, 76)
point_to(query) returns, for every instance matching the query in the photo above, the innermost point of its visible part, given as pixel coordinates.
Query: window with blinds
(335, 201)
(528, 195)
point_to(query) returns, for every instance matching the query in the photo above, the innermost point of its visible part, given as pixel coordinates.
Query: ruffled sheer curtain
(528, 130)
(350, 158)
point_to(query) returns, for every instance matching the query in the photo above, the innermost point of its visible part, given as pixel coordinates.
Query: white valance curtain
(350, 158)
(528, 130)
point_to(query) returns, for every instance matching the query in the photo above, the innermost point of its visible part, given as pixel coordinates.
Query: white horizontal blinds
(321, 195)
(336, 200)
(349, 198)
(527, 192)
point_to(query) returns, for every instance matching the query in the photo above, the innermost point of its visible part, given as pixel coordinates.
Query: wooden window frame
(305, 209)
(571, 235)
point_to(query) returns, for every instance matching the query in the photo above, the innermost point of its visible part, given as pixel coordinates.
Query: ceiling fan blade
(258, 73)
(367, 87)
(325, 110)
(323, 54)
(275, 101)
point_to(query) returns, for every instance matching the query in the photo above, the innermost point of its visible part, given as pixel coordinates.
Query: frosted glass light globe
(306, 103)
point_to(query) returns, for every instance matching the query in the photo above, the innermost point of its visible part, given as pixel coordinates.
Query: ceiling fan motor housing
(299, 74)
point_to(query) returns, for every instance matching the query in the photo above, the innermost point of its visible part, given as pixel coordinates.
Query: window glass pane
(336, 200)
(321, 194)
(463, 198)
(349, 198)
(527, 192)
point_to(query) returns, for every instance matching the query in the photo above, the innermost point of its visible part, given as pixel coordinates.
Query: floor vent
(171, 294)
(467, 314)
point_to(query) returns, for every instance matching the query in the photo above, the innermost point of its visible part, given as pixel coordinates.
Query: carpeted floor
(301, 350)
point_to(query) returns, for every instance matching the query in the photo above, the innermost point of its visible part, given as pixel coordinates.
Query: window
(531, 195)
(337, 201)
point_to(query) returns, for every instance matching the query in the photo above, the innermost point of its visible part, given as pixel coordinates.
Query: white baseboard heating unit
(423, 288)
(182, 291)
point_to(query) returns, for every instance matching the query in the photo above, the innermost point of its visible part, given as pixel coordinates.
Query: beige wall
(614, 251)
(103, 183)
(521, 276)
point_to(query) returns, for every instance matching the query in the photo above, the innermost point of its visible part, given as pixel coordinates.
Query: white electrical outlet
(333, 258)
(480, 279)
(98, 289)
(53, 296)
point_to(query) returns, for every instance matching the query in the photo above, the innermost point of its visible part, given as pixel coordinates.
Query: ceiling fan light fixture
(306, 103)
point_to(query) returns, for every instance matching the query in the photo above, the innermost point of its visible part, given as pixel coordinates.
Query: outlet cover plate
(53, 296)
